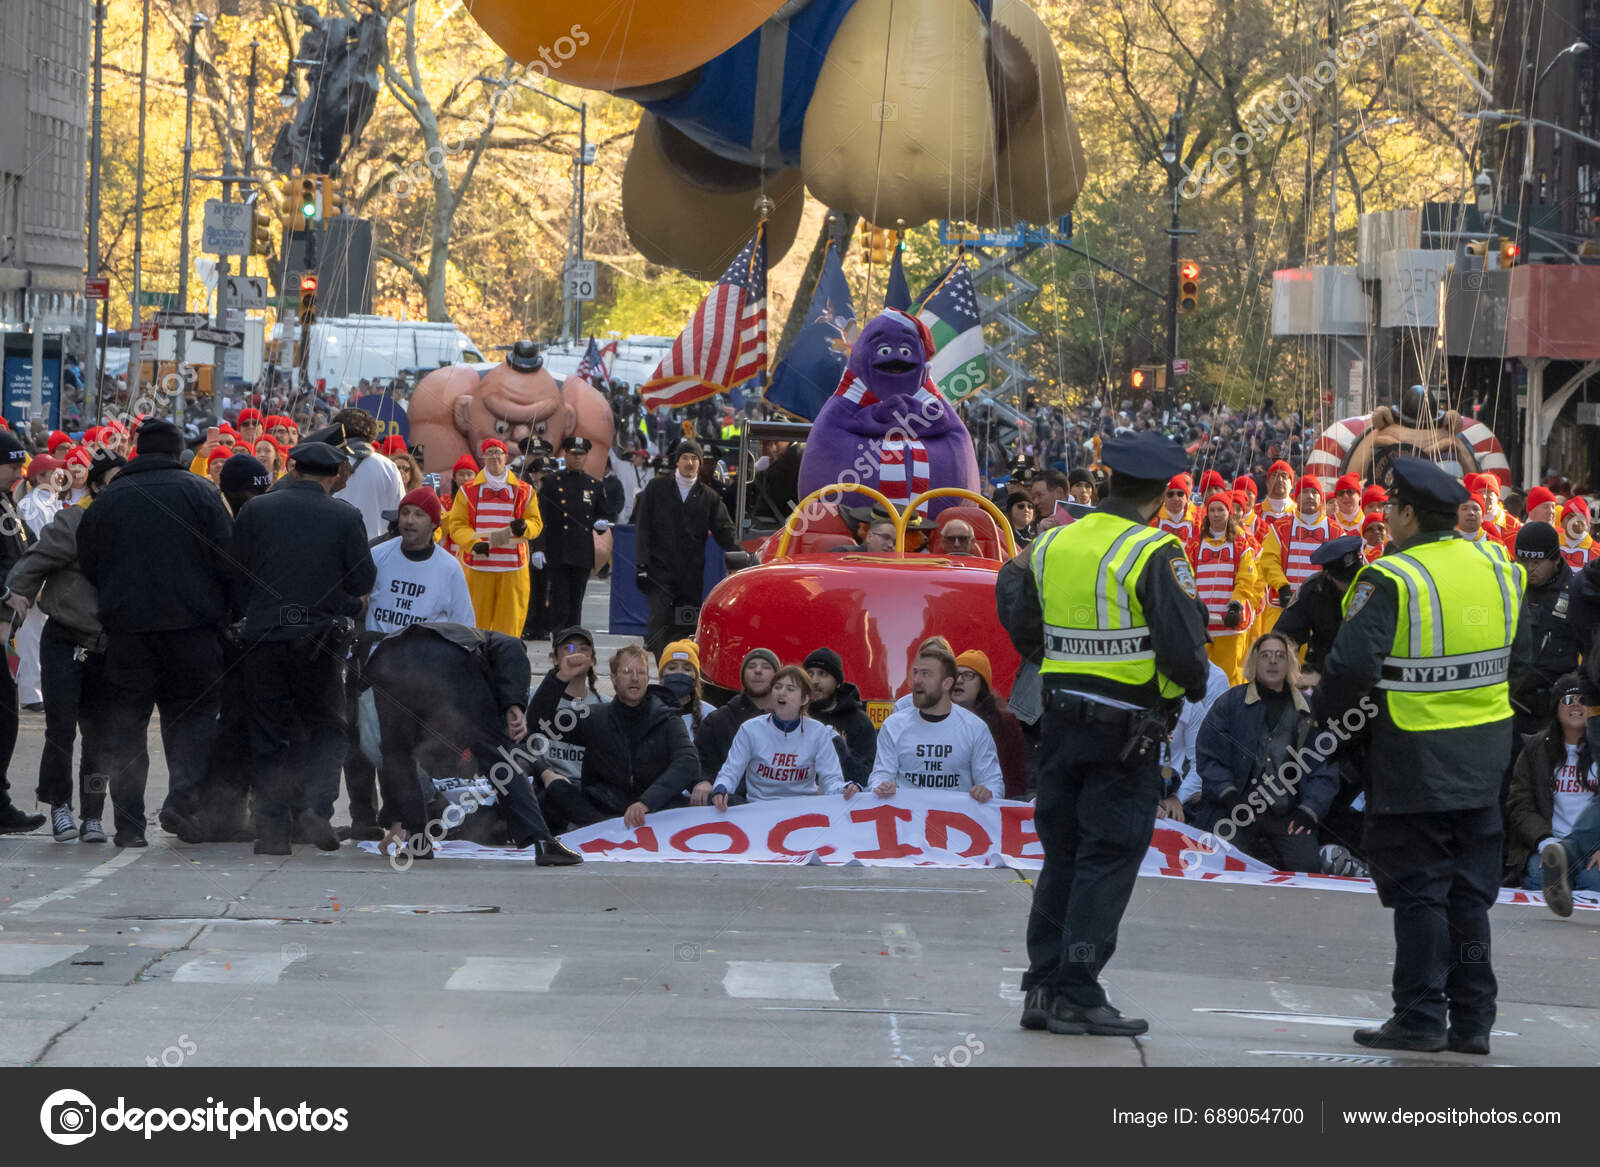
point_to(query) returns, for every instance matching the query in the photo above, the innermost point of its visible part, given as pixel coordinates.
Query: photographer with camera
(303, 566)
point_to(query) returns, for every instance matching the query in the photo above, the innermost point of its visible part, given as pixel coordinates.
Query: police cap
(576, 444)
(1341, 556)
(1144, 454)
(317, 458)
(1422, 484)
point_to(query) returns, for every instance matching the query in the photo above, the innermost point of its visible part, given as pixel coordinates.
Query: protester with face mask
(679, 669)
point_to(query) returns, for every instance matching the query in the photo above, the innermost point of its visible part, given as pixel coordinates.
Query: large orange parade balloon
(615, 44)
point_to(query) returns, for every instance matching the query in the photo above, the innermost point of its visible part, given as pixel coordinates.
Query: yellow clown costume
(488, 512)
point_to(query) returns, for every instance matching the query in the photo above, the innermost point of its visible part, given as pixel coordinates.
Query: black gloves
(481, 547)
(518, 526)
(1285, 595)
(1303, 818)
(1234, 616)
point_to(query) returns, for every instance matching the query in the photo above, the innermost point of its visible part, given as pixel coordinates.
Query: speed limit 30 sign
(578, 281)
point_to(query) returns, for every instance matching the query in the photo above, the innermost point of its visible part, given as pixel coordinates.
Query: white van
(350, 349)
(637, 357)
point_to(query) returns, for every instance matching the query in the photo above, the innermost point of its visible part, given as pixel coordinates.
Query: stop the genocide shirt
(775, 762)
(410, 591)
(954, 752)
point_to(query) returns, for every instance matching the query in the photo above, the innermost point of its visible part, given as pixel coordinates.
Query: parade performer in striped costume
(1287, 547)
(1225, 576)
(491, 521)
(1177, 514)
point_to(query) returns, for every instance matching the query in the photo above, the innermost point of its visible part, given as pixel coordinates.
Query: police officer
(574, 506)
(1312, 618)
(535, 468)
(1553, 638)
(1432, 634)
(1107, 606)
(303, 567)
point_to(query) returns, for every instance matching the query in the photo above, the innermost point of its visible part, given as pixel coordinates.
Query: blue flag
(949, 307)
(809, 374)
(899, 293)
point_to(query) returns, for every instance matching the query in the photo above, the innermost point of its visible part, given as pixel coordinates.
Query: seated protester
(959, 538)
(637, 758)
(838, 706)
(754, 698)
(1248, 742)
(679, 670)
(1553, 782)
(973, 691)
(784, 753)
(1182, 801)
(463, 686)
(936, 744)
(564, 756)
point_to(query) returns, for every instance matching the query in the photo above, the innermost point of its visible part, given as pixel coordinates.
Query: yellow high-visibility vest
(1450, 662)
(1087, 574)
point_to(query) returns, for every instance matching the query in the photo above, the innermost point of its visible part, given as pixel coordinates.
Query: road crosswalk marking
(242, 968)
(497, 974)
(780, 980)
(23, 960)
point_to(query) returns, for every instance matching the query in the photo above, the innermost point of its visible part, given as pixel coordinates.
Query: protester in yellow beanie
(680, 675)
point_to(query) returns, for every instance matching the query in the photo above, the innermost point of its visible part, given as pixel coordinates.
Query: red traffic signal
(1188, 286)
(1509, 254)
(308, 283)
(1138, 379)
(1189, 270)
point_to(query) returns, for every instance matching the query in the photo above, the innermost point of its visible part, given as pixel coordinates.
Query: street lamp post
(91, 267)
(1527, 145)
(195, 25)
(1169, 155)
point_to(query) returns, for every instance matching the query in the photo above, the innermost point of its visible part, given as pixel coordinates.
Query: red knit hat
(1374, 517)
(218, 454)
(392, 445)
(465, 462)
(1245, 483)
(1280, 467)
(246, 415)
(491, 444)
(79, 456)
(1211, 480)
(1576, 504)
(1308, 482)
(1181, 482)
(59, 439)
(1347, 482)
(1239, 499)
(425, 499)
(1538, 496)
(1373, 496)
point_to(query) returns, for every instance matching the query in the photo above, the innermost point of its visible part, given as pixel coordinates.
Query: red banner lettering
(738, 841)
(1016, 833)
(644, 840)
(937, 830)
(779, 835)
(889, 844)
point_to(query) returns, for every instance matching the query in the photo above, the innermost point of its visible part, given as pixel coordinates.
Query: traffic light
(1510, 253)
(1137, 380)
(1478, 248)
(307, 201)
(1188, 286)
(332, 199)
(261, 228)
(308, 300)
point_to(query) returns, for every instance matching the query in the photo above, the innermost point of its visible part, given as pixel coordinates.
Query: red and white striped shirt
(1216, 568)
(489, 510)
(1183, 528)
(1303, 540)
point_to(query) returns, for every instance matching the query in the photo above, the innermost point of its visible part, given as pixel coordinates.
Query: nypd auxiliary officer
(1107, 606)
(1432, 635)
(1313, 616)
(574, 506)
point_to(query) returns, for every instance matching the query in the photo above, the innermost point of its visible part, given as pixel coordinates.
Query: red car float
(873, 608)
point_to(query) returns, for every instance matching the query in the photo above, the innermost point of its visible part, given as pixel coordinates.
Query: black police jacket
(301, 559)
(1410, 772)
(570, 501)
(1312, 619)
(1553, 640)
(155, 546)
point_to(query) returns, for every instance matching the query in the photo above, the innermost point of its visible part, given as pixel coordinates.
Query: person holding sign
(784, 753)
(936, 744)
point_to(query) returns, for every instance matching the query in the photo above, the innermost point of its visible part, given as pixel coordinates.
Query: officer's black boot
(1392, 1036)
(1035, 1008)
(14, 821)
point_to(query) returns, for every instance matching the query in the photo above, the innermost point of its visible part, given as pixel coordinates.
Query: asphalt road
(212, 956)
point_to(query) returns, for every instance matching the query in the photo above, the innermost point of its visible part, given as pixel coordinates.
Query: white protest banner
(913, 829)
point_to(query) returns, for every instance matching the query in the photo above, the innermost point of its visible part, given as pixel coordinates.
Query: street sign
(1180, 364)
(578, 281)
(182, 319)
(227, 228)
(247, 291)
(219, 337)
(97, 288)
(149, 343)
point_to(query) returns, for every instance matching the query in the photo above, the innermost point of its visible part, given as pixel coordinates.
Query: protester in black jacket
(303, 567)
(13, 542)
(672, 517)
(155, 547)
(463, 687)
(637, 756)
(837, 704)
(756, 673)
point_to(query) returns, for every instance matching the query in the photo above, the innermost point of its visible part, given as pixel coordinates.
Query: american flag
(725, 344)
(592, 368)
